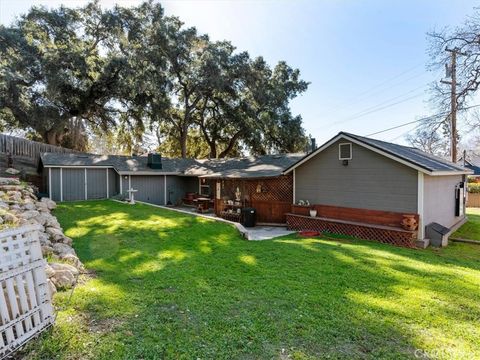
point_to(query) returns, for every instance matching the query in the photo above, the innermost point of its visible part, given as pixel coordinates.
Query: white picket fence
(25, 304)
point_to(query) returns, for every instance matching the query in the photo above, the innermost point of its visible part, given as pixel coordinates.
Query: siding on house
(369, 181)
(73, 184)
(439, 200)
(177, 187)
(96, 184)
(150, 188)
(55, 191)
(112, 183)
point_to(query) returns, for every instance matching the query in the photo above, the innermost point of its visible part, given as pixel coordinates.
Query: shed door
(73, 184)
(150, 188)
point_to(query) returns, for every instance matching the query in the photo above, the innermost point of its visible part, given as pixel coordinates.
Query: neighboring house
(472, 162)
(359, 186)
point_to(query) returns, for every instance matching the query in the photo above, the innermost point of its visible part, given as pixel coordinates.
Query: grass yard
(168, 285)
(470, 230)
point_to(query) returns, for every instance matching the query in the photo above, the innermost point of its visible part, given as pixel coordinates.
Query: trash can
(249, 217)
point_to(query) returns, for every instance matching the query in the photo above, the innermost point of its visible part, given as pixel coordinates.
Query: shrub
(473, 188)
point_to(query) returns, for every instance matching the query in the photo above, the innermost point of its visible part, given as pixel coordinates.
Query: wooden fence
(25, 304)
(473, 200)
(15, 146)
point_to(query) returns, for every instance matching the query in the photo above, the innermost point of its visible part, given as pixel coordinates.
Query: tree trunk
(183, 141)
(213, 150)
(50, 137)
(230, 146)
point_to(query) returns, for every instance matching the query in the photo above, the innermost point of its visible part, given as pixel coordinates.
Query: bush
(473, 188)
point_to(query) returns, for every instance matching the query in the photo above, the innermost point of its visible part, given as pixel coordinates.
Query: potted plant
(409, 222)
(313, 211)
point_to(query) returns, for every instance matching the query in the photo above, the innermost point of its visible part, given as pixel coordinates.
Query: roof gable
(405, 155)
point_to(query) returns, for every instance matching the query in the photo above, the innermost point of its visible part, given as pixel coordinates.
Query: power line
(421, 119)
(356, 98)
(408, 123)
(375, 109)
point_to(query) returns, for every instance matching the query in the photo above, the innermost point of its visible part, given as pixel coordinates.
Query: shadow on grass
(184, 286)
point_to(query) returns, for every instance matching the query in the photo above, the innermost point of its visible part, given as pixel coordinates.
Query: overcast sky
(366, 60)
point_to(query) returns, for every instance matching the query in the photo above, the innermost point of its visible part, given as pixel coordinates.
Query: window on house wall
(345, 151)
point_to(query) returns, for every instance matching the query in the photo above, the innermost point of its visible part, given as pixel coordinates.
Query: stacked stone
(19, 206)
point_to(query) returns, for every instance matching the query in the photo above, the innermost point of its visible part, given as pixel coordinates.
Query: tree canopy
(71, 76)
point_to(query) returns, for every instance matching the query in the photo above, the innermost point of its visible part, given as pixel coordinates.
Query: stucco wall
(370, 181)
(439, 199)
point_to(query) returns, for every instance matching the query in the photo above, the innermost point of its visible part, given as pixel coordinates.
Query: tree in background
(52, 78)
(73, 76)
(465, 38)
(429, 142)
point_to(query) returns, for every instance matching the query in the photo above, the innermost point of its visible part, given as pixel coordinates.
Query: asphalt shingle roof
(252, 167)
(245, 167)
(410, 154)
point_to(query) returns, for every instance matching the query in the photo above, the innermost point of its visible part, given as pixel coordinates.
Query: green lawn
(470, 230)
(168, 285)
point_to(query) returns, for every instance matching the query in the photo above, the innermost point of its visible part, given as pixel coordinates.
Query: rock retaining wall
(19, 206)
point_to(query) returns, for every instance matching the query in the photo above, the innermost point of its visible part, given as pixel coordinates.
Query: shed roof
(245, 167)
(406, 155)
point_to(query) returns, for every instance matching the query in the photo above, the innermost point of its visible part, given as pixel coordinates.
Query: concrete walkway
(256, 233)
(266, 232)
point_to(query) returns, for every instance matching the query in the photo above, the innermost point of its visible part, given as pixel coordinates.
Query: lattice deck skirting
(384, 234)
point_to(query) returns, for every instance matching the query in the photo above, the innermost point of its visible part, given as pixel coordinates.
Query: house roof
(409, 156)
(245, 167)
(472, 162)
(248, 167)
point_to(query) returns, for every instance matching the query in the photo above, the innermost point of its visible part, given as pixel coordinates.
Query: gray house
(355, 172)
(69, 177)
(357, 185)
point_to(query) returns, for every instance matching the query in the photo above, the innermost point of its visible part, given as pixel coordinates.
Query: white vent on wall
(345, 151)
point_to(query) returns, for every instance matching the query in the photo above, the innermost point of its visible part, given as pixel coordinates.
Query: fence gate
(25, 304)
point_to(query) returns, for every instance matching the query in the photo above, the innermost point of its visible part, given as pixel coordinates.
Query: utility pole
(451, 72)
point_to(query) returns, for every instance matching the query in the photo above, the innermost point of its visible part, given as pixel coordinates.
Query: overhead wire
(420, 120)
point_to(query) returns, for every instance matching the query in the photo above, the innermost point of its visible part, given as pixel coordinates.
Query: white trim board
(79, 166)
(147, 173)
(378, 151)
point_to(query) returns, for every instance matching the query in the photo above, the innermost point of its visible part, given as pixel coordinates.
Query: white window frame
(340, 151)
